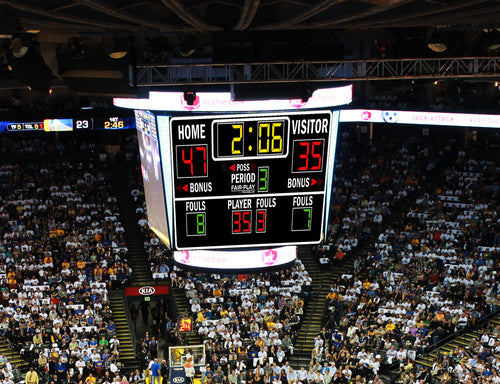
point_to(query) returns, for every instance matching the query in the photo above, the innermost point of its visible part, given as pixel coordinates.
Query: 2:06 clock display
(250, 138)
(249, 180)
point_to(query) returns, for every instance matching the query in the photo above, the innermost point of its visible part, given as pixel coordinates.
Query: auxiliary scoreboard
(249, 180)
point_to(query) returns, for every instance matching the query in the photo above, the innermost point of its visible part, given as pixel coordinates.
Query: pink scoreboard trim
(237, 259)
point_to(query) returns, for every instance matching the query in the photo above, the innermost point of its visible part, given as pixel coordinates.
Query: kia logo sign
(178, 380)
(146, 291)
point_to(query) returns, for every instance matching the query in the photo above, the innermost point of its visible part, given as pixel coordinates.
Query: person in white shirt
(401, 356)
(190, 372)
(291, 375)
(391, 354)
(280, 355)
(484, 338)
(302, 375)
(311, 376)
(347, 373)
(79, 365)
(318, 342)
(262, 356)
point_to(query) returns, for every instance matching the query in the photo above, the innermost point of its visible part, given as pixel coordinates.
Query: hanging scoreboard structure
(251, 180)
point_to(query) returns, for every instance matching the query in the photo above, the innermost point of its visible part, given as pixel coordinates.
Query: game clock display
(251, 180)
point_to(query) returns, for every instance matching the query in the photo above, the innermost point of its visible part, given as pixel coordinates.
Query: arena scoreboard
(250, 180)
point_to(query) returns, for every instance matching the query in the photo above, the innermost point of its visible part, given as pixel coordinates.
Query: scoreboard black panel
(250, 180)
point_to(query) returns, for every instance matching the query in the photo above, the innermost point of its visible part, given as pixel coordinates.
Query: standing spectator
(164, 371)
(31, 377)
(155, 372)
(190, 371)
(153, 348)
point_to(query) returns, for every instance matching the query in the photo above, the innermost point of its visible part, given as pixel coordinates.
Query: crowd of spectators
(61, 250)
(477, 362)
(48, 147)
(381, 316)
(250, 319)
(371, 179)
(425, 279)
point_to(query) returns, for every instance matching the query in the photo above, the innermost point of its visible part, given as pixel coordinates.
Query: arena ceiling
(73, 34)
(91, 16)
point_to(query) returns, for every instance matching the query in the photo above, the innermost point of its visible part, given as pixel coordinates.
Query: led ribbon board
(253, 180)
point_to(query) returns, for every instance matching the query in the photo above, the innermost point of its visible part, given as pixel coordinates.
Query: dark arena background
(249, 192)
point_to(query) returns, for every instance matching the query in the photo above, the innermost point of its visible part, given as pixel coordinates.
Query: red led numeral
(204, 150)
(310, 156)
(242, 221)
(304, 156)
(197, 164)
(188, 161)
(316, 156)
(260, 226)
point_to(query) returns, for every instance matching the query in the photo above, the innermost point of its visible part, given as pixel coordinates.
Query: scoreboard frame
(211, 200)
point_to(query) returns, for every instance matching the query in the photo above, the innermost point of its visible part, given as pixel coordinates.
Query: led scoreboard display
(251, 180)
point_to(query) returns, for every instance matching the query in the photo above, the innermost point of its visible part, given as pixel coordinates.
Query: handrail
(130, 323)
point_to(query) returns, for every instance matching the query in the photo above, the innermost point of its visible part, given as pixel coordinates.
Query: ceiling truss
(359, 70)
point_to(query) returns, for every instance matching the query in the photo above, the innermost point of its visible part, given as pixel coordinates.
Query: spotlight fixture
(19, 47)
(118, 49)
(190, 97)
(493, 40)
(305, 94)
(27, 64)
(188, 46)
(437, 42)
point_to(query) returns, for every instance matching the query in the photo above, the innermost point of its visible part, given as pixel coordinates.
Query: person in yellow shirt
(98, 273)
(37, 338)
(270, 324)
(112, 270)
(390, 326)
(48, 259)
(366, 285)
(90, 379)
(80, 264)
(332, 295)
(223, 313)
(200, 317)
(11, 274)
(31, 377)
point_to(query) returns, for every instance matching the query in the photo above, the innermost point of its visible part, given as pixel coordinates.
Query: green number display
(200, 223)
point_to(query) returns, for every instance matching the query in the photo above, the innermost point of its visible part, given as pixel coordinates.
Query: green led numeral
(307, 211)
(263, 179)
(301, 219)
(200, 223)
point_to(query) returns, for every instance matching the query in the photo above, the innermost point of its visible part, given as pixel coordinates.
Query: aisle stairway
(123, 333)
(463, 340)
(13, 357)
(136, 255)
(183, 308)
(313, 311)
